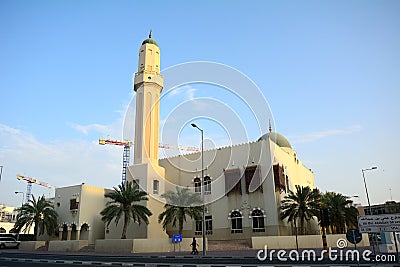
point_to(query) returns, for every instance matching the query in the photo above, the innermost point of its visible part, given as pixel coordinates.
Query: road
(15, 258)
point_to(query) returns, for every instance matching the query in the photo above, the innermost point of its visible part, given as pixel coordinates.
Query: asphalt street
(16, 258)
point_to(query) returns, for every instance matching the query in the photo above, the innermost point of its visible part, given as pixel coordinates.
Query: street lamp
(350, 198)
(365, 184)
(203, 219)
(366, 192)
(23, 196)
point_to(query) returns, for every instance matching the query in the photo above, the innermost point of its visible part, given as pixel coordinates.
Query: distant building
(386, 240)
(8, 216)
(389, 207)
(7, 213)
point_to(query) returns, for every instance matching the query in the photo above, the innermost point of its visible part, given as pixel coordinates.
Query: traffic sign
(353, 236)
(379, 223)
(176, 238)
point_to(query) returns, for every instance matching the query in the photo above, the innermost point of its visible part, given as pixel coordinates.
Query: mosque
(243, 184)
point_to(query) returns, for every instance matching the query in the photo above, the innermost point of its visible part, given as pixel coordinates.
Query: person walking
(194, 247)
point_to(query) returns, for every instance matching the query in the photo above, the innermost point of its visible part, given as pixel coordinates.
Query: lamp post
(366, 192)
(365, 184)
(203, 219)
(23, 196)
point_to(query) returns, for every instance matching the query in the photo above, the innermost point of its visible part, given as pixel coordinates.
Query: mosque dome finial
(150, 40)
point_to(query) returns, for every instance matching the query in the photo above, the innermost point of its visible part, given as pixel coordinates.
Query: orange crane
(127, 150)
(31, 181)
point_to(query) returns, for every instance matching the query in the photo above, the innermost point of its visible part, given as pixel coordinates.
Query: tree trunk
(36, 230)
(180, 221)
(302, 226)
(125, 227)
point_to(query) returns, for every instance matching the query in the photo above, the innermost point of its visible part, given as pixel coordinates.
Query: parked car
(9, 242)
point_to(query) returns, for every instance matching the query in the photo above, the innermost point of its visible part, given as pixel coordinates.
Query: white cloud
(85, 129)
(187, 92)
(113, 130)
(7, 129)
(310, 137)
(60, 163)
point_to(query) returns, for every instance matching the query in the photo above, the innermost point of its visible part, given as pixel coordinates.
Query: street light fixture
(23, 196)
(203, 219)
(366, 192)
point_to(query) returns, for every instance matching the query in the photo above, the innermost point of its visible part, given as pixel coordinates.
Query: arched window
(2, 230)
(258, 220)
(236, 220)
(197, 185)
(207, 185)
(156, 186)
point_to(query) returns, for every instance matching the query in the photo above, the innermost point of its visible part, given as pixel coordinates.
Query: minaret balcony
(145, 77)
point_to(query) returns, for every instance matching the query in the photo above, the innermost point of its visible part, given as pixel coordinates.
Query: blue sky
(328, 69)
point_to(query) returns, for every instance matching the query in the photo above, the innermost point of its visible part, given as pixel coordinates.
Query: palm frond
(179, 205)
(123, 202)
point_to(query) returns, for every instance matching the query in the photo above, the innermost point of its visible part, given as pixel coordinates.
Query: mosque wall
(184, 169)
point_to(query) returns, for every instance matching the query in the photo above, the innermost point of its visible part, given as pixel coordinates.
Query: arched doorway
(73, 232)
(85, 232)
(64, 232)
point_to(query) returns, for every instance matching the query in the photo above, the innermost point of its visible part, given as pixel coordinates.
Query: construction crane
(186, 148)
(125, 156)
(127, 150)
(31, 181)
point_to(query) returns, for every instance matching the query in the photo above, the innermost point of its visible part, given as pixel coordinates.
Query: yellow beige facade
(238, 206)
(244, 184)
(78, 208)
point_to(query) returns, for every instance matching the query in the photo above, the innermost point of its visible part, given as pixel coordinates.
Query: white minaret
(148, 84)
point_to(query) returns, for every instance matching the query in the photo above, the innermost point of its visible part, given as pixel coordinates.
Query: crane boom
(125, 156)
(103, 141)
(31, 181)
(127, 150)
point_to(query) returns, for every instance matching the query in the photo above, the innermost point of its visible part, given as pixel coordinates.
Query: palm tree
(342, 215)
(124, 202)
(303, 205)
(180, 204)
(40, 214)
